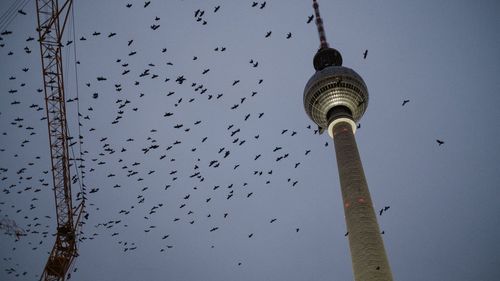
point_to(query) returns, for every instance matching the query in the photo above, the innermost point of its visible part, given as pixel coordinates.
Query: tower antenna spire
(319, 25)
(325, 56)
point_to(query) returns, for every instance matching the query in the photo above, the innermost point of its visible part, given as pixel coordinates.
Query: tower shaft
(369, 260)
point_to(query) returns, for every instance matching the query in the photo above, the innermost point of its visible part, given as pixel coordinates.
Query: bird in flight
(180, 79)
(268, 34)
(310, 18)
(405, 102)
(365, 54)
(440, 142)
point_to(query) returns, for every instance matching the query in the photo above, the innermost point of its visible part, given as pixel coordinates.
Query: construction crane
(10, 227)
(52, 20)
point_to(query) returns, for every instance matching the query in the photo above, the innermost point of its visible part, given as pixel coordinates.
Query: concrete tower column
(369, 260)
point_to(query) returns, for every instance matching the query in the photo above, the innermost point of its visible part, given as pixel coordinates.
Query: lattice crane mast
(10, 227)
(50, 15)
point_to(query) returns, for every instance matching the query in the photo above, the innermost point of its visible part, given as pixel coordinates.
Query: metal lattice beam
(50, 31)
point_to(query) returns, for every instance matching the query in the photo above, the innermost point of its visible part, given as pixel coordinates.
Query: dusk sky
(222, 176)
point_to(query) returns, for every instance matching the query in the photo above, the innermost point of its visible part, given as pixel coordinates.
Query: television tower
(336, 98)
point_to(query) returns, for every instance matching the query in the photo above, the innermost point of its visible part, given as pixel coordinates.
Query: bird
(310, 18)
(216, 8)
(268, 34)
(288, 35)
(128, 5)
(440, 142)
(147, 3)
(365, 54)
(254, 4)
(180, 79)
(263, 5)
(405, 102)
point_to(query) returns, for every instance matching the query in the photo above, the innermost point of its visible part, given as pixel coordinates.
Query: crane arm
(49, 15)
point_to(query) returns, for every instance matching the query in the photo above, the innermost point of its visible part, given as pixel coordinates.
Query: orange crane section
(50, 15)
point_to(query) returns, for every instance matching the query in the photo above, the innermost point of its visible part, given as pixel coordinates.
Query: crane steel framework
(10, 227)
(50, 32)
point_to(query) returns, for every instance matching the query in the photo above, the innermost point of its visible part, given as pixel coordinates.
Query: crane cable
(12, 12)
(67, 60)
(78, 167)
(80, 137)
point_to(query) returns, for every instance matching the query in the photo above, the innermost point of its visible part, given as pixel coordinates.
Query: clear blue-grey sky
(152, 220)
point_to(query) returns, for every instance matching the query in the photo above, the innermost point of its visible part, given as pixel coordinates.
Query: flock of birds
(131, 167)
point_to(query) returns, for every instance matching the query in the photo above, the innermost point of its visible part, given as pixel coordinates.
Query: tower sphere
(335, 86)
